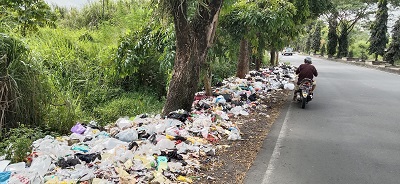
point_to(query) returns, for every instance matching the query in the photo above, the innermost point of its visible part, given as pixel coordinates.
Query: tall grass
(68, 73)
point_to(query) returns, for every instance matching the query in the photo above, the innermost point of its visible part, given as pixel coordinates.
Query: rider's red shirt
(306, 71)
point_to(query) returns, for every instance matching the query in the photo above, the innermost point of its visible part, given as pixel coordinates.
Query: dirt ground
(234, 158)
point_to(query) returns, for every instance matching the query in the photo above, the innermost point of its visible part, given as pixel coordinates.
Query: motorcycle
(303, 95)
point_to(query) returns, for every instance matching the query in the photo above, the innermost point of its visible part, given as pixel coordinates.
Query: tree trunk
(273, 57)
(207, 82)
(192, 43)
(258, 63)
(376, 57)
(243, 63)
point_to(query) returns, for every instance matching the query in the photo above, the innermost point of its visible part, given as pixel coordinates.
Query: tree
(29, 14)
(332, 35)
(257, 26)
(349, 13)
(195, 24)
(316, 39)
(393, 53)
(343, 39)
(323, 49)
(379, 39)
(309, 38)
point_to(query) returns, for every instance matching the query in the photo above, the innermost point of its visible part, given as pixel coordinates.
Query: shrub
(18, 143)
(130, 104)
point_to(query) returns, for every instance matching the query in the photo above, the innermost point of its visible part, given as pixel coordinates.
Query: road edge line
(277, 148)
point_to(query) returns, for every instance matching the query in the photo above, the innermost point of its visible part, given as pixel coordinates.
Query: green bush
(130, 104)
(18, 143)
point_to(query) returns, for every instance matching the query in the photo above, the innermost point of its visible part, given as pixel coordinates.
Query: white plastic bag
(40, 165)
(289, 86)
(127, 135)
(20, 166)
(164, 144)
(234, 134)
(123, 123)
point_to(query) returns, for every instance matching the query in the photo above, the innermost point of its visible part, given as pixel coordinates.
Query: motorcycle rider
(306, 70)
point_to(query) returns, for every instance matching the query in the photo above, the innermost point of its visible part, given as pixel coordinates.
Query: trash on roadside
(149, 148)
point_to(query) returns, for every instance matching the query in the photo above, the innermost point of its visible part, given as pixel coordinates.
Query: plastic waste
(127, 135)
(40, 165)
(82, 148)
(289, 86)
(3, 164)
(99, 181)
(164, 144)
(220, 99)
(159, 178)
(175, 166)
(88, 157)
(180, 115)
(20, 166)
(234, 134)
(111, 143)
(123, 123)
(202, 122)
(78, 128)
(67, 162)
(162, 163)
(4, 177)
(184, 179)
(204, 132)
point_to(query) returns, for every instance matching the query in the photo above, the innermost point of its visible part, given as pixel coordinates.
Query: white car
(287, 51)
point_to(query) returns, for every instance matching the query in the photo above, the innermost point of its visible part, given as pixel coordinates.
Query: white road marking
(277, 149)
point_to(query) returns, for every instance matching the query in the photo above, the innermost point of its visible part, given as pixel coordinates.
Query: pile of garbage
(149, 148)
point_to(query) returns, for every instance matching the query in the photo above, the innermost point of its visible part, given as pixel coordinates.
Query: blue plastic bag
(4, 177)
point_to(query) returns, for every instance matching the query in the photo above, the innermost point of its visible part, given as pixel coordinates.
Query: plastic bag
(40, 165)
(83, 148)
(123, 123)
(180, 115)
(202, 122)
(3, 164)
(220, 99)
(289, 86)
(234, 134)
(162, 163)
(127, 135)
(78, 128)
(4, 177)
(111, 143)
(20, 166)
(165, 144)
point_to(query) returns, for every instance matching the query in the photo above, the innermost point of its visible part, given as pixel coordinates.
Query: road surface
(348, 134)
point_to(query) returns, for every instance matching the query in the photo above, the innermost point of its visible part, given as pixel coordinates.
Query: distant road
(349, 133)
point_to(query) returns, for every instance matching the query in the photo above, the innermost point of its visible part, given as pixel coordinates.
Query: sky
(69, 3)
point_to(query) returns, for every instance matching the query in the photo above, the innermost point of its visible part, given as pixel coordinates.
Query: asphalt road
(348, 134)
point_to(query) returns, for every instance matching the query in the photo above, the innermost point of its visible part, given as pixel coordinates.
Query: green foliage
(28, 89)
(145, 58)
(343, 39)
(316, 38)
(28, 14)
(70, 72)
(393, 54)
(17, 146)
(379, 37)
(130, 104)
(359, 48)
(332, 35)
